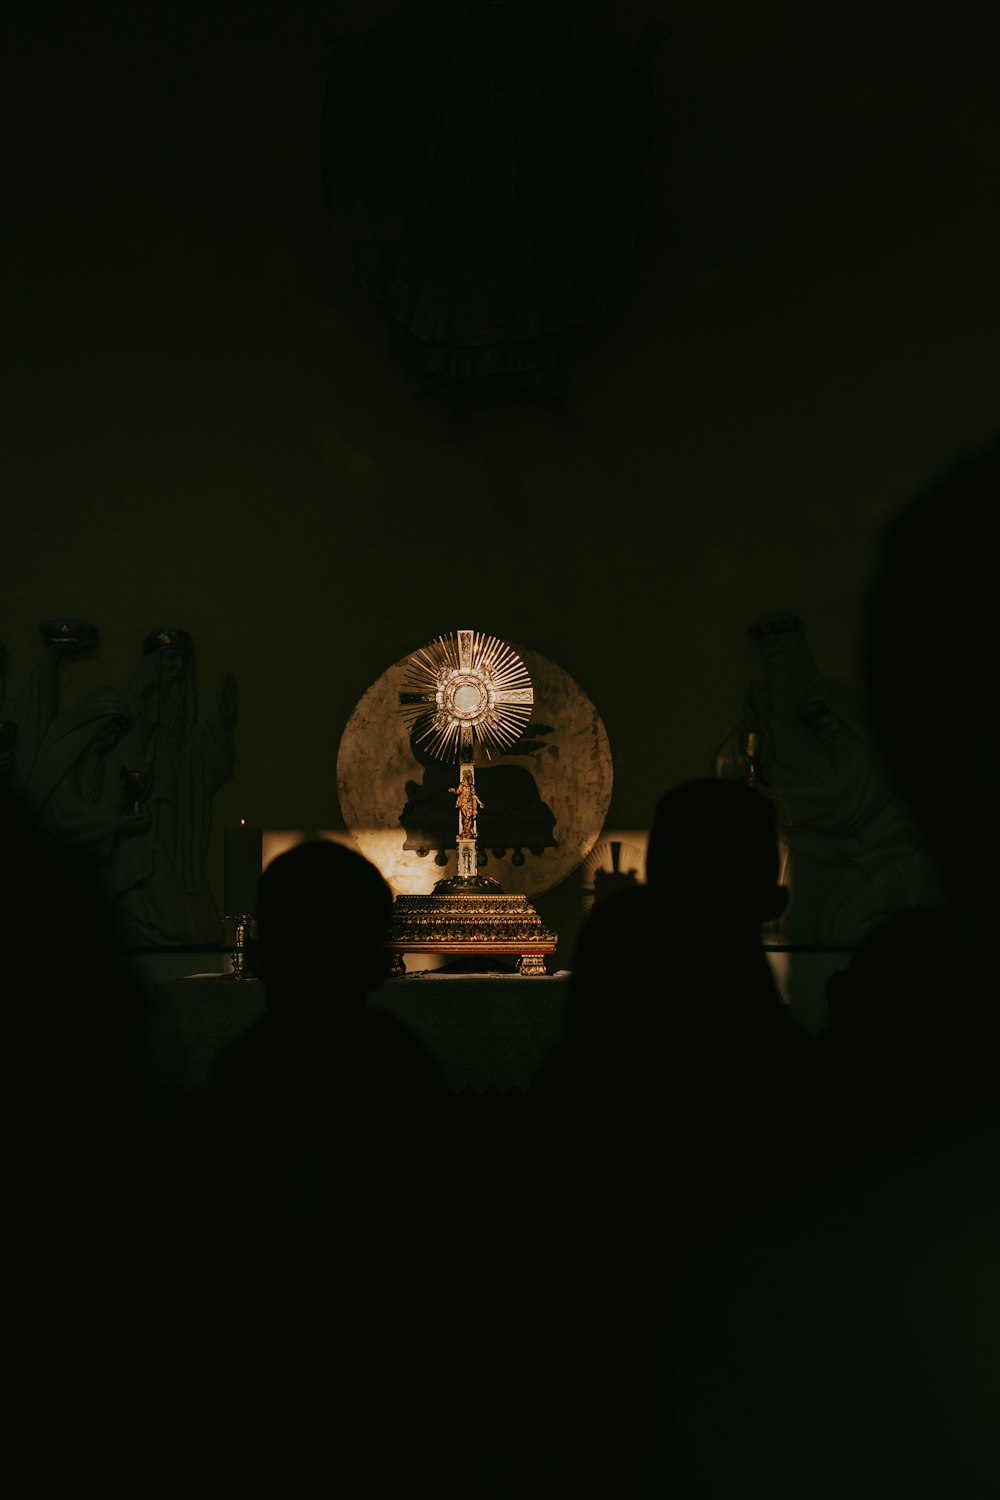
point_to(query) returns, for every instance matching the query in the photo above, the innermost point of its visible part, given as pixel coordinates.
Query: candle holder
(68, 636)
(138, 780)
(244, 929)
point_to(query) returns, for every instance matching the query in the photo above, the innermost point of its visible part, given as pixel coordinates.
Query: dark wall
(207, 423)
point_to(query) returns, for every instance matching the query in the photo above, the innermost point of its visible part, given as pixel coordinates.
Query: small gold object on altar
(465, 691)
(238, 956)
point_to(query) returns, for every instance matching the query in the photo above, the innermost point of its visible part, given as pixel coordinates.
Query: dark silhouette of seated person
(912, 1020)
(81, 1108)
(312, 1171)
(851, 1346)
(674, 1017)
(76, 1015)
(667, 1115)
(323, 1083)
(678, 960)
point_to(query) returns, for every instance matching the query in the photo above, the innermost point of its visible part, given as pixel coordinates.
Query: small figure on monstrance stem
(468, 804)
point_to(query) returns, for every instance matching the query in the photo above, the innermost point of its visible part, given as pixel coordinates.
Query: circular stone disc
(545, 799)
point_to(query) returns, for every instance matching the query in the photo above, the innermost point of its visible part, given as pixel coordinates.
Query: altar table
(486, 1031)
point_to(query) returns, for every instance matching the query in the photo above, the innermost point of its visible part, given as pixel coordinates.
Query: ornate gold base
(469, 919)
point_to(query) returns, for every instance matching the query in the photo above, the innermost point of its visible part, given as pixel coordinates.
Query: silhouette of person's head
(931, 616)
(712, 866)
(713, 850)
(323, 910)
(914, 1012)
(88, 1070)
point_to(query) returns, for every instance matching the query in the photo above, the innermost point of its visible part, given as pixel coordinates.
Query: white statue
(852, 854)
(26, 717)
(175, 763)
(69, 790)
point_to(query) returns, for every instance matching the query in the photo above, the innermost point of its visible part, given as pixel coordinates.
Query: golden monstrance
(463, 693)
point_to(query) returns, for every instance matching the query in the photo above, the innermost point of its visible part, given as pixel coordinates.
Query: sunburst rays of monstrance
(463, 692)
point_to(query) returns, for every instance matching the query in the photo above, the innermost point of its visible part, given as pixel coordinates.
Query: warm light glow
(276, 841)
(617, 859)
